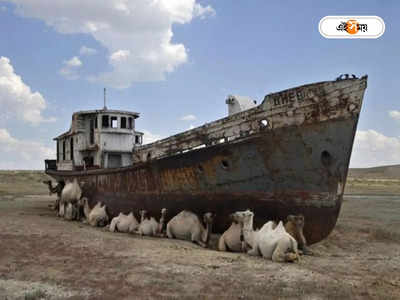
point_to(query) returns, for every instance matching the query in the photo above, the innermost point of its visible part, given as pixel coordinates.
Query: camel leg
(113, 225)
(254, 251)
(169, 233)
(280, 254)
(201, 243)
(196, 238)
(221, 244)
(57, 205)
(306, 250)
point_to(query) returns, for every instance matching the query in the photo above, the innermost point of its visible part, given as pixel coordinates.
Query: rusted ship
(290, 154)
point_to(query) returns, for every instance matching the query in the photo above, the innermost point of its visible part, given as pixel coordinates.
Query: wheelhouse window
(123, 122)
(95, 122)
(104, 121)
(63, 145)
(58, 150)
(138, 139)
(114, 122)
(130, 122)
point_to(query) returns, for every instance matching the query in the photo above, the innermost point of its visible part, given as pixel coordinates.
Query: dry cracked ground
(45, 257)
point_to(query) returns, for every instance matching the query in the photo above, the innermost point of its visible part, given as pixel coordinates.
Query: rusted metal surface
(295, 162)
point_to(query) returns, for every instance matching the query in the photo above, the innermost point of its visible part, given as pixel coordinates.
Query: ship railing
(263, 117)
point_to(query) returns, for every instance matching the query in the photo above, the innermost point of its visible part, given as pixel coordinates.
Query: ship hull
(291, 169)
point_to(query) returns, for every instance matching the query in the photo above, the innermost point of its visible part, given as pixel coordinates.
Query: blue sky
(217, 48)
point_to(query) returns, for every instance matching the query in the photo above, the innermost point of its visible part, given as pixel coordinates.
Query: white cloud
(87, 51)
(73, 62)
(395, 114)
(70, 68)
(22, 154)
(119, 56)
(372, 148)
(17, 99)
(202, 12)
(149, 137)
(142, 27)
(188, 118)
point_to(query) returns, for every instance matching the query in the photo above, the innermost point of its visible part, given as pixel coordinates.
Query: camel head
(208, 218)
(294, 226)
(48, 183)
(297, 221)
(164, 212)
(235, 218)
(242, 216)
(143, 214)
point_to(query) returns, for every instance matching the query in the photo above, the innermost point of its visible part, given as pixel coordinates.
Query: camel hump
(280, 227)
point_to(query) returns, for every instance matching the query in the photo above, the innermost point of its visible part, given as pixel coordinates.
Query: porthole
(264, 123)
(326, 158)
(224, 164)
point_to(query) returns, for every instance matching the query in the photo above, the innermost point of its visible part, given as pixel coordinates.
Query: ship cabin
(97, 139)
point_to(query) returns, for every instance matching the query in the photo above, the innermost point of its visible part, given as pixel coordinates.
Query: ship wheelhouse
(97, 139)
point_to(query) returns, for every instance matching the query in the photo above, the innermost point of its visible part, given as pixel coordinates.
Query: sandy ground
(45, 257)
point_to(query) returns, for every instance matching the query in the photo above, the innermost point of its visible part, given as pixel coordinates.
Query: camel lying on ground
(271, 241)
(187, 226)
(124, 223)
(97, 216)
(149, 226)
(232, 238)
(294, 226)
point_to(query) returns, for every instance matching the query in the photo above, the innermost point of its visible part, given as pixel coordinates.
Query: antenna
(105, 107)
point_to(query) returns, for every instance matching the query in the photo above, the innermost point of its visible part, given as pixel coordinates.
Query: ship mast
(105, 107)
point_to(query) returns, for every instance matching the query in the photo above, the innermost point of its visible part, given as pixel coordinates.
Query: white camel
(97, 216)
(187, 226)
(71, 193)
(271, 241)
(149, 226)
(124, 223)
(232, 239)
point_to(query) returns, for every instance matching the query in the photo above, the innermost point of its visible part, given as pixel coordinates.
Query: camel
(149, 226)
(232, 238)
(187, 226)
(275, 243)
(245, 219)
(271, 241)
(124, 223)
(294, 226)
(71, 193)
(57, 189)
(97, 216)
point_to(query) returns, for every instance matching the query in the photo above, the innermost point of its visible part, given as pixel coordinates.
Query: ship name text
(296, 95)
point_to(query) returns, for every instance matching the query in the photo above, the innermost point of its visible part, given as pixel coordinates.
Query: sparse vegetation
(35, 295)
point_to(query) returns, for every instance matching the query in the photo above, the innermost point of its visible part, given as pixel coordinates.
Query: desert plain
(45, 257)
